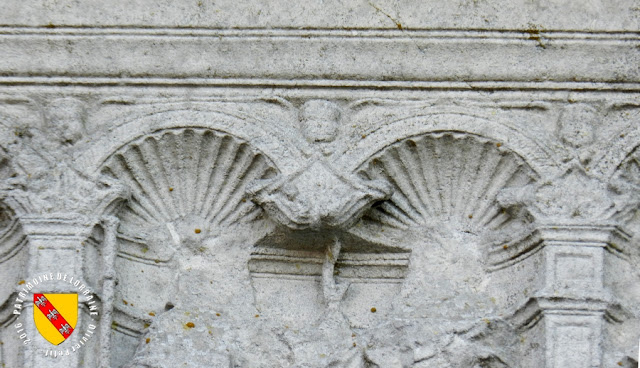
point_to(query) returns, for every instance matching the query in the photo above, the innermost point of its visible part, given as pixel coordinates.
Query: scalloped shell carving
(445, 176)
(188, 172)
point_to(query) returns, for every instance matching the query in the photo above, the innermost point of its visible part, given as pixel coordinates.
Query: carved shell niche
(445, 176)
(187, 173)
(445, 188)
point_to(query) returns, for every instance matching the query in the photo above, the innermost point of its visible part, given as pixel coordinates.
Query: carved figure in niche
(444, 209)
(443, 316)
(203, 255)
(211, 319)
(203, 232)
(330, 342)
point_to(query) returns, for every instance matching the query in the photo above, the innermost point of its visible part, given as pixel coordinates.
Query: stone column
(576, 227)
(574, 299)
(56, 223)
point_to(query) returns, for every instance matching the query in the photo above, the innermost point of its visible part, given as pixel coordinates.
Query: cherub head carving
(66, 118)
(319, 120)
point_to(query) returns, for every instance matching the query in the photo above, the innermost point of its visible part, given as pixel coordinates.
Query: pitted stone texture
(466, 248)
(443, 14)
(365, 185)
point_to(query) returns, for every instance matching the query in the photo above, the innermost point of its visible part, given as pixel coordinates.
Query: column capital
(575, 197)
(64, 193)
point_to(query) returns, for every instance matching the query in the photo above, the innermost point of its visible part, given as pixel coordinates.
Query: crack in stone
(394, 20)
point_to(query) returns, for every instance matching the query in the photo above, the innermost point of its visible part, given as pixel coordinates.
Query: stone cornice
(415, 59)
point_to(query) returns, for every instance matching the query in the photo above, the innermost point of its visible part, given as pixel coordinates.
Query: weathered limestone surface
(323, 184)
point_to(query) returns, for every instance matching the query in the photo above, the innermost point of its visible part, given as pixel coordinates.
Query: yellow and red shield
(55, 315)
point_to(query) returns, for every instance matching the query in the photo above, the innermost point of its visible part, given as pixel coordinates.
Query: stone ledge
(320, 58)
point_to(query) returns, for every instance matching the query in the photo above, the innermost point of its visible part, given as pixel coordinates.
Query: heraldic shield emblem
(55, 316)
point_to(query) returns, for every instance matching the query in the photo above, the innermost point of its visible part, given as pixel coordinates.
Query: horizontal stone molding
(367, 267)
(321, 58)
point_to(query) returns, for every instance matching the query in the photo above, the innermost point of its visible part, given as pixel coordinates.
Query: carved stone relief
(371, 197)
(229, 254)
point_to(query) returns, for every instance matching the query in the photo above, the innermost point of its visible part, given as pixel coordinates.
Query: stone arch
(617, 150)
(188, 171)
(184, 180)
(625, 177)
(176, 172)
(262, 137)
(449, 165)
(540, 157)
(446, 175)
(14, 252)
(628, 165)
(447, 171)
